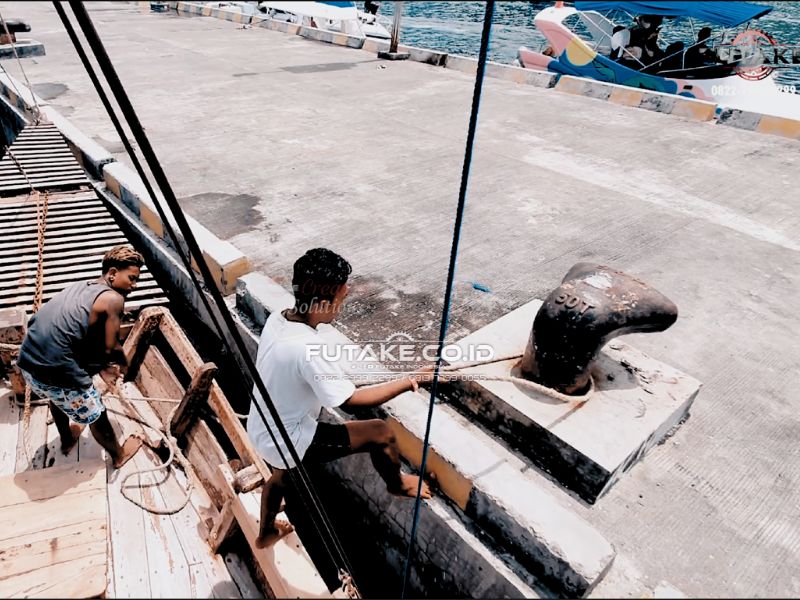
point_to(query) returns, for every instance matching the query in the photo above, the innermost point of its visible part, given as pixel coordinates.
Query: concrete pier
(278, 143)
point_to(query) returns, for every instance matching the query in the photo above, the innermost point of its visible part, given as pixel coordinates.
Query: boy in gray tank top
(74, 336)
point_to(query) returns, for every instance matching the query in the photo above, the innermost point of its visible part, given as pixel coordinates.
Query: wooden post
(398, 13)
(139, 339)
(196, 395)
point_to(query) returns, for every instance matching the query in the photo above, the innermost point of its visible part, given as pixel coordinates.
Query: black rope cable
(100, 54)
(145, 179)
(451, 270)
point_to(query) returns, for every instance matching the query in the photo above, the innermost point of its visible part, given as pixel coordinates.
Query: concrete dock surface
(279, 144)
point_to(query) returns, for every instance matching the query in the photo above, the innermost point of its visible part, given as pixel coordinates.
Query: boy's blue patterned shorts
(81, 406)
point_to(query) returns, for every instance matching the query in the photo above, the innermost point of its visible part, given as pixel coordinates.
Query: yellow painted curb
(779, 126)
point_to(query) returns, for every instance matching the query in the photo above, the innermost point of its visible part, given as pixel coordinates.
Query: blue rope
(462, 196)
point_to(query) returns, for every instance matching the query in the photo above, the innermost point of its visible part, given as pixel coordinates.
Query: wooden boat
(132, 552)
(72, 526)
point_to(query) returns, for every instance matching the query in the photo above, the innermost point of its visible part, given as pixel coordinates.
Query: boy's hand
(109, 375)
(423, 375)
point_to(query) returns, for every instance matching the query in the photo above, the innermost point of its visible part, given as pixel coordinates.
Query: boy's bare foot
(280, 528)
(129, 448)
(408, 487)
(75, 434)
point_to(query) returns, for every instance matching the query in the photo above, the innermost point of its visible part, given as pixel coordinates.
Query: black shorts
(331, 441)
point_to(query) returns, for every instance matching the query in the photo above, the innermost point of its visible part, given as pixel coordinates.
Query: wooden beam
(139, 339)
(180, 344)
(287, 570)
(222, 528)
(193, 400)
(247, 479)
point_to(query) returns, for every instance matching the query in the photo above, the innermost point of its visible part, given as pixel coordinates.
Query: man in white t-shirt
(301, 383)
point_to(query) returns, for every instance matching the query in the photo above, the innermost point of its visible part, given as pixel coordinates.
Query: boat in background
(335, 16)
(733, 81)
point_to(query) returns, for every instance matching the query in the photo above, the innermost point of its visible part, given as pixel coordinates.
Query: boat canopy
(727, 14)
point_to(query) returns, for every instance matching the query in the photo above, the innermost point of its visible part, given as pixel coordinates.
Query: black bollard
(593, 304)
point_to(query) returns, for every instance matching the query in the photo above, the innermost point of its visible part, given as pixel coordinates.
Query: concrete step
(452, 557)
(503, 496)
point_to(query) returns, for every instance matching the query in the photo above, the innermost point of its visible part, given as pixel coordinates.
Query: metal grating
(80, 229)
(46, 160)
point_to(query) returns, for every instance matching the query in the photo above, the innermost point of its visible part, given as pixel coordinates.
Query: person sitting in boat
(620, 39)
(700, 54)
(652, 51)
(300, 382)
(643, 48)
(74, 336)
(371, 7)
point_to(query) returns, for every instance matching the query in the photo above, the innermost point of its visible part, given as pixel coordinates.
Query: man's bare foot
(129, 448)
(75, 434)
(408, 487)
(280, 528)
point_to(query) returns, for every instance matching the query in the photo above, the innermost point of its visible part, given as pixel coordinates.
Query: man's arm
(112, 306)
(375, 395)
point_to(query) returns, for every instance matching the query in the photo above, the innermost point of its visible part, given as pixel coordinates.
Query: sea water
(455, 27)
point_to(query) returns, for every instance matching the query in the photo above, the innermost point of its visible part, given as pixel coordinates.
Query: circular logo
(753, 44)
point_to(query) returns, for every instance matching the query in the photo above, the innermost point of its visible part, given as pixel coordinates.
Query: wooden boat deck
(148, 555)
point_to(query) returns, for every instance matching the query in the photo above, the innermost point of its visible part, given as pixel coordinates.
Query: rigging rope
(298, 473)
(175, 453)
(451, 269)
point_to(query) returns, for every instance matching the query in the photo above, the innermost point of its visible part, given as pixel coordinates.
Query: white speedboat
(340, 17)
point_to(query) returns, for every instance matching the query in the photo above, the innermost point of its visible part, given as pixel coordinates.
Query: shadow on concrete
(319, 68)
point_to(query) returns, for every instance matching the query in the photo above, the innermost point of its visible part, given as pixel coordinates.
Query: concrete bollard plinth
(585, 446)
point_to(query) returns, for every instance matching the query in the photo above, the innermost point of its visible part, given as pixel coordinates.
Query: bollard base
(638, 401)
(386, 55)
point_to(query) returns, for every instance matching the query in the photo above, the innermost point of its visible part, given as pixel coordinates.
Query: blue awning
(728, 14)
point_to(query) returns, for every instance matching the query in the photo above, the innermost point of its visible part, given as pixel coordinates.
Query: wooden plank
(157, 380)
(9, 432)
(54, 245)
(28, 209)
(223, 527)
(77, 250)
(31, 486)
(128, 542)
(82, 577)
(89, 448)
(32, 441)
(169, 572)
(123, 426)
(77, 531)
(55, 222)
(76, 260)
(205, 454)
(29, 517)
(286, 566)
(58, 233)
(193, 400)
(144, 411)
(78, 539)
(49, 293)
(72, 248)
